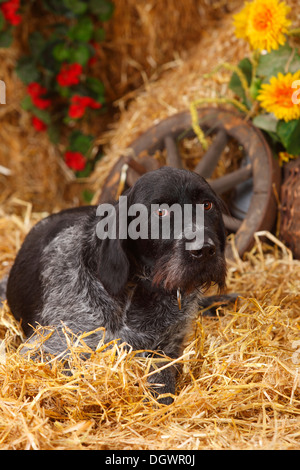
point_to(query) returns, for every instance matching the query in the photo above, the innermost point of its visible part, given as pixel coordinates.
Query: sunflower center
(283, 97)
(263, 19)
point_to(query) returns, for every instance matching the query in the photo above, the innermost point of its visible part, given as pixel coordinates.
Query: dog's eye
(162, 212)
(207, 205)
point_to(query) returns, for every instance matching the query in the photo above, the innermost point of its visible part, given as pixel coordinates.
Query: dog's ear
(113, 263)
(113, 266)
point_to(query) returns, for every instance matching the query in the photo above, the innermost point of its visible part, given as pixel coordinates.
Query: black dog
(145, 292)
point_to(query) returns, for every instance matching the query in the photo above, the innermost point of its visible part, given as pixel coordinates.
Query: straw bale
(143, 36)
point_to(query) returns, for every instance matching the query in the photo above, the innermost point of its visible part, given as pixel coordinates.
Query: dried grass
(239, 388)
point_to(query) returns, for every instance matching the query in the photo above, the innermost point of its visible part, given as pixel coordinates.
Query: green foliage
(27, 70)
(266, 122)
(2, 21)
(289, 133)
(260, 70)
(283, 60)
(6, 38)
(235, 83)
(79, 142)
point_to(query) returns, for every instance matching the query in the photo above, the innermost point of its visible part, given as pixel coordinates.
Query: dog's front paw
(162, 385)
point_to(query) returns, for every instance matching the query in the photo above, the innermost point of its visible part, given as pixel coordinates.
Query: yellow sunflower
(263, 23)
(277, 97)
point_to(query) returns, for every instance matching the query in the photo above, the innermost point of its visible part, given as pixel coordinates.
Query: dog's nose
(207, 251)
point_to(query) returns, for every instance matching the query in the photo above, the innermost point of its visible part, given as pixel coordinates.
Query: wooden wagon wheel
(222, 124)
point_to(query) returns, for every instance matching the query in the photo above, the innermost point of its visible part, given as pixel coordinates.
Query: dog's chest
(151, 318)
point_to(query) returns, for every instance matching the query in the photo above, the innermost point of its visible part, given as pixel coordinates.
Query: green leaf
(46, 59)
(26, 103)
(87, 196)
(86, 172)
(255, 88)
(80, 142)
(54, 134)
(27, 71)
(288, 133)
(235, 83)
(61, 52)
(42, 115)
(64, 91)
(99, 35)
(2, 21)
(266, 122)
(275, 62)
(76, 6)
(36, 43)
(80, 54)
(6, 38)
(83, 30)
(96, 86)
(57, 7)
(102, 8)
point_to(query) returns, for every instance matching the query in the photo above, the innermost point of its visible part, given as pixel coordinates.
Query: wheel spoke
(226, 182)
(173, 155)
(210, 159)
(231, 223)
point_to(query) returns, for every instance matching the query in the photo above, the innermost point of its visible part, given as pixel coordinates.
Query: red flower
(35, 90)
(9, 10)
(75, 160)
(38, 124)
(79, 105)
(69, 74)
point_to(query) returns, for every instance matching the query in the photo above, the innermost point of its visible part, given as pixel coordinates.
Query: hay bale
(143, 36)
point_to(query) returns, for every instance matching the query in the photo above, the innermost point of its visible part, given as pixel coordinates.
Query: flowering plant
(266, 84)
(61, 91)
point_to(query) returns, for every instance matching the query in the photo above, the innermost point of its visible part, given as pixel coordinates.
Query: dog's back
(24, 290)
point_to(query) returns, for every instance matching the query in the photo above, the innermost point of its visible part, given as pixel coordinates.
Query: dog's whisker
(179, 298)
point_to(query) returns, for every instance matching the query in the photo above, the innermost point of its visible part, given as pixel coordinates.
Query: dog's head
(170, 223)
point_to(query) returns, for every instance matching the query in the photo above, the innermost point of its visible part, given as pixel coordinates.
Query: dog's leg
(209, 305)
(45, 343)
(163, 382)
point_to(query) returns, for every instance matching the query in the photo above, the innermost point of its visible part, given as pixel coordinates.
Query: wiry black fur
(64, 273)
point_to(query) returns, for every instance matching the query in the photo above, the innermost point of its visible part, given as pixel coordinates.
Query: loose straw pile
(239, 387)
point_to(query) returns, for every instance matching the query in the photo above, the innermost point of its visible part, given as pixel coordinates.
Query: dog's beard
(176, 272)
